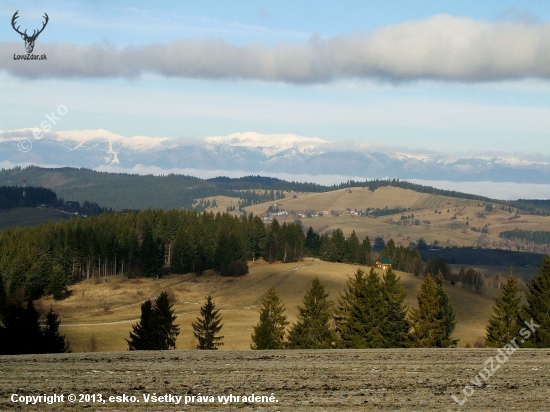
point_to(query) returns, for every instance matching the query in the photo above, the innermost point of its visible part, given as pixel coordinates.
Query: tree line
(44, 259)
(21, 332)
(536, 236)
(120, 191)
(12, 196)
(369, 314)
(529, 323)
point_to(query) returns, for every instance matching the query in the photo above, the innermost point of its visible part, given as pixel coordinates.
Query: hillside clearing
(108, 309)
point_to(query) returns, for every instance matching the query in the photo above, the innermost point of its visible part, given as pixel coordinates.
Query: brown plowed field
(353, 380)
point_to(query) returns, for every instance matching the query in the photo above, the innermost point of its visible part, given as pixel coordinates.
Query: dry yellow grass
(442, 227)
(84, 313)
(361, 198)
(223, 202)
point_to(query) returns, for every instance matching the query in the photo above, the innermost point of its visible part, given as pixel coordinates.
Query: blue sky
(490, 99)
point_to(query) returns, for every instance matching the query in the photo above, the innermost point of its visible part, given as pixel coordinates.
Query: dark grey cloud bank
(440, 48)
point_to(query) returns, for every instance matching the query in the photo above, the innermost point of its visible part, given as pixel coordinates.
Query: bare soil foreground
(382, 380)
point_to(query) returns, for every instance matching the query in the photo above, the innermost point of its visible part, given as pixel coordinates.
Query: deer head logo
(29, 40)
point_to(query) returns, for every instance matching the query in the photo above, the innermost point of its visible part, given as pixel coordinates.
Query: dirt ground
(351, 380)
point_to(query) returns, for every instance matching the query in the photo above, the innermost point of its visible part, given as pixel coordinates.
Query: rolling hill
(107, 310)
(440, 220)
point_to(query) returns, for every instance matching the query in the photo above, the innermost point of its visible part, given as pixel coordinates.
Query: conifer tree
(395, 326)
(269, 333)
(207, 327)
(389, 250)
(312, 242)
(446, 314)
(537, 309)
(53, 342)
(152, 255)
(166, 330)
(58, 282)
(427, 330)
(353, 249)
(141, 335)
(22, 334)
(325, 249)
(338, 242)
(183, 253)
(312, 329)
(360, 312)
(503, 324)
(156, 329)
(366, 252)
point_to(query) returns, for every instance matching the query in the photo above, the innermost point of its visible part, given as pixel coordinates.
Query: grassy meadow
(107, 310)
(450, 226)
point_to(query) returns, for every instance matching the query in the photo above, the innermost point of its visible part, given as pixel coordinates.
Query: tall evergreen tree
(312, 242)
(166, 330)
(53, 342)
(503, 324)
(58, 282)
(269, 333)
(353, 249)
(427, 328)
(184, 253)
(156, 329)
(312, 329)
(538, 307)
(360, 312)
(230, 259)
(325, 249)
(366, 252)
(151, 254)
(389, 250)
(141, 335)
(22, 332)
(207, 327)
(338, 242)
(395, 326)
(446, 314)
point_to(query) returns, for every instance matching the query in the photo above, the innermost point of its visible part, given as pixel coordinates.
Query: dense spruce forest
(538, 237)
(11, 197)
(120, 191)
(46, 258)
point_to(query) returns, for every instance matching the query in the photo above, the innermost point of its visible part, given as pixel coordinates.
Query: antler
(15, 17)
(43, 26)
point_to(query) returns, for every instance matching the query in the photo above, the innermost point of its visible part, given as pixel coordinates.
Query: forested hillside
(12, 196)
(120, 191)
(45, 258)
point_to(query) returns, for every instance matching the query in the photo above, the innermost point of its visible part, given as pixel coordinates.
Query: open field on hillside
(520, 273)
(361, 198)
(28, 216)
(381, 380)
(107, 310)
(458, 222)
(223, 202)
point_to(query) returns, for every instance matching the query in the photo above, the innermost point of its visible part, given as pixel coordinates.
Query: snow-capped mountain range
(256, 153)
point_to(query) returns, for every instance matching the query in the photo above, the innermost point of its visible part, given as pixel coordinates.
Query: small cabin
(383, 263)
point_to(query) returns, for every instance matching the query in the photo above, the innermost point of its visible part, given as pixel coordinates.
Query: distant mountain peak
(252, 152)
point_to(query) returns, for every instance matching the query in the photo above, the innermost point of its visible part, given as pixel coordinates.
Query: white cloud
(441, 48)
